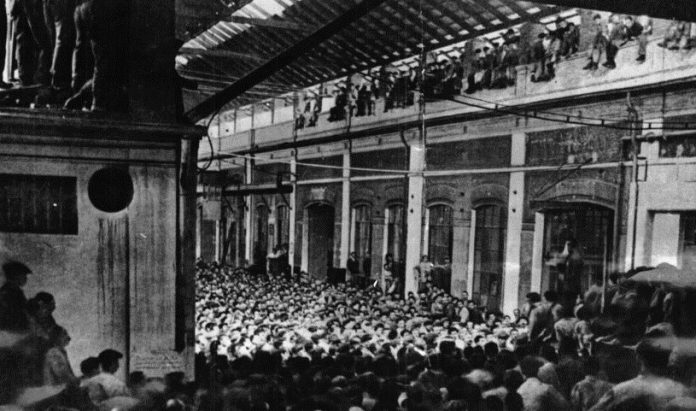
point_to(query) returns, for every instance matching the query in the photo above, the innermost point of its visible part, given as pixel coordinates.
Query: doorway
(489, 255)
(577, 246)
(320, 238)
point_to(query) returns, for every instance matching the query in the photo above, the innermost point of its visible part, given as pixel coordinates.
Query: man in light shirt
(105, 385)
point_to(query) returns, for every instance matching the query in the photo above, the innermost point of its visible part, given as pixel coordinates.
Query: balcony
(661, 67)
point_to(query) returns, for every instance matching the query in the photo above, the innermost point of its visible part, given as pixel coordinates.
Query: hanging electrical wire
(567, 119)
(326, 166)
(211, 158)
(678, 125)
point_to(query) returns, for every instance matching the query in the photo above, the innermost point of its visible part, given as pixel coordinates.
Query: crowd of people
(298, 343)
(36, 373)
(73, 52)
(493, 64)
(278, 341)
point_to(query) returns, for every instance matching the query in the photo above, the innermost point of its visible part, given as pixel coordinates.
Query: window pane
(440, 241)
(38, 204)
(363, 236)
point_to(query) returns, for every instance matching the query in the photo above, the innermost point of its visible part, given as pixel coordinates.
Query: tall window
(440, 238)
(489, 249)
(38, 204)
(283, 223)
(688, 241)
(363, 235)
(395, 232)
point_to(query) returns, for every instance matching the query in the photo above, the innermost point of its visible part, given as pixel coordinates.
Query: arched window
(283, 223)
(440, 234)
(362, 244)
(489, 254)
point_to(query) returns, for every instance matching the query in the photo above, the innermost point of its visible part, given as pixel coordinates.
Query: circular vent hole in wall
(111, 189)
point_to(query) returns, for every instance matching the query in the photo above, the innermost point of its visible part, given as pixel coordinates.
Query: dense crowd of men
(298, 343)
(73, 51)
(292, 342)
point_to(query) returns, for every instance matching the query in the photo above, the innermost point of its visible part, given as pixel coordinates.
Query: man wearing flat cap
(13, 302)
(105, 385)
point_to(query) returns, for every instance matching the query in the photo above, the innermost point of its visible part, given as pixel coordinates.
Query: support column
(513, 243)
(414, 215)
(345, 213)
(472, 255)
(272, 223)
(248, 216)
(218, 238)
(292, 215)
(185, 321)
(538, 252)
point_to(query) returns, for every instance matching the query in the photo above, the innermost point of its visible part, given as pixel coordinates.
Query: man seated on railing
(678, 36)
(615, 32)
(571, 38)
(633, 30)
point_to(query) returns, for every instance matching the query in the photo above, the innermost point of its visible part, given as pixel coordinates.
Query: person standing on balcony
(33, 42)
(363, 100)
(59, 15)
(539, 58)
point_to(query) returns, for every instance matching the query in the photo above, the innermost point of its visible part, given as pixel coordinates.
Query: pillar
(186, 278)
(248, 216)
(345, 213)
(538, 252)
(292, 215)
(218, 238)
(472, 255)
(414, 214)
(513, 243)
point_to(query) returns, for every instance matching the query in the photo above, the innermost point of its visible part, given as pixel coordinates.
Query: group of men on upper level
(73, 51)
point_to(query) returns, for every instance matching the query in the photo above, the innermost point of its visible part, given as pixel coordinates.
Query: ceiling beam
(675, 9)
(269, 22)
(281, 60)
(221, 53)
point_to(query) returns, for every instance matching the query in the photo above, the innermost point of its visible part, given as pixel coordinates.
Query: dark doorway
(577, 246)
(261, 237)
(489, 255)
(320, 234)
(395, 238)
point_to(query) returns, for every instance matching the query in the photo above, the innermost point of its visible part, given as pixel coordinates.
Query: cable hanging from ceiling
(651, 125)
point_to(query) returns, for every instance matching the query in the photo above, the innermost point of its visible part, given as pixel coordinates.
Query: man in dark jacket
(13, 303)
(354, 267)
(633, 30)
